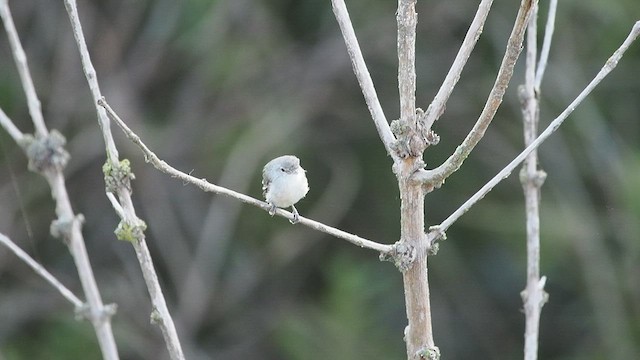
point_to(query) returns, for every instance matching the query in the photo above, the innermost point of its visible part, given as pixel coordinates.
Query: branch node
(117, 176)
(402, 255)
(536, 179)
(47, 153)
(542, 296)
(524, 97)
(130, 232)
(433, 249)
(428, 353)
(401, 145)
(437, 233)
(412, 140)
(430, 137)
(84, 312)
(155, 318)
(61, 227)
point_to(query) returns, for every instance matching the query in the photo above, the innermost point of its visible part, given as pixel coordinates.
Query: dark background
(217, 88)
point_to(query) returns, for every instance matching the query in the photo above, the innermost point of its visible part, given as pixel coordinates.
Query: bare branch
(10, 128)
(532, 179)
(23, 69)
(435, 177)
(363, 76)
(407, 20)
(48, 157)
(40, 270)
(92, 79)
(119, 174)
(411, 144)
(438, 105)
(555, 124)
(546, 44)
(209, 187)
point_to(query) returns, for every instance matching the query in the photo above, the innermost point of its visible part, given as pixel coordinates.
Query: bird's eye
(282, 169)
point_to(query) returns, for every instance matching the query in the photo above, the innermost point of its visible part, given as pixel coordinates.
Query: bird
(284, 183)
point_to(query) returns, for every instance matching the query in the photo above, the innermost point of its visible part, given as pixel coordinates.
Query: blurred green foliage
(56, 338)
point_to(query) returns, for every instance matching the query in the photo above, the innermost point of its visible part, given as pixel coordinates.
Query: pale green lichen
(429, 353)
(155, 317)
(117, 176)
(130, 233)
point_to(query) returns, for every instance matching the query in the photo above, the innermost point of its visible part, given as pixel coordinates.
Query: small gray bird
(284, 183)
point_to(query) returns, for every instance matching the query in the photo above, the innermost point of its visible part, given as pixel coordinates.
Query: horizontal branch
(40, 270)
(553, 126)
(209, 187)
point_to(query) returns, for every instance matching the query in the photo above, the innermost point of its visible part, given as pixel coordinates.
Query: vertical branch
(407, 20)
(532, 179)
(419, 333)
(533, 296)
(117, 177)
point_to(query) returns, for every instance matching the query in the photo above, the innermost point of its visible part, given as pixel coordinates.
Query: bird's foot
(272, 210)
(296, 216)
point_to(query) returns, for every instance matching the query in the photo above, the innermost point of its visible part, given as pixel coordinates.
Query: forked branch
(435, 178)
(438, 231)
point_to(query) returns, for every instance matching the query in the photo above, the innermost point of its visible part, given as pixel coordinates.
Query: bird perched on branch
(284, 183)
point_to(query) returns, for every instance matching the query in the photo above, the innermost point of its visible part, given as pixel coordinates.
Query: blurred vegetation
(221, 87)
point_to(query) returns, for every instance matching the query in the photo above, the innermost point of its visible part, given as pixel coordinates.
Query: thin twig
(546, 43)
(437, 106)
(363, 76)
(531, 178)
(11, 129)
(203, 184)
(434, 178)
(92, 78)
(23, 69)
(124, 208)
(553, 126)
(40, 270)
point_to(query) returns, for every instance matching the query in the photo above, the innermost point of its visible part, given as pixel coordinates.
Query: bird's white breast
(287, 189)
